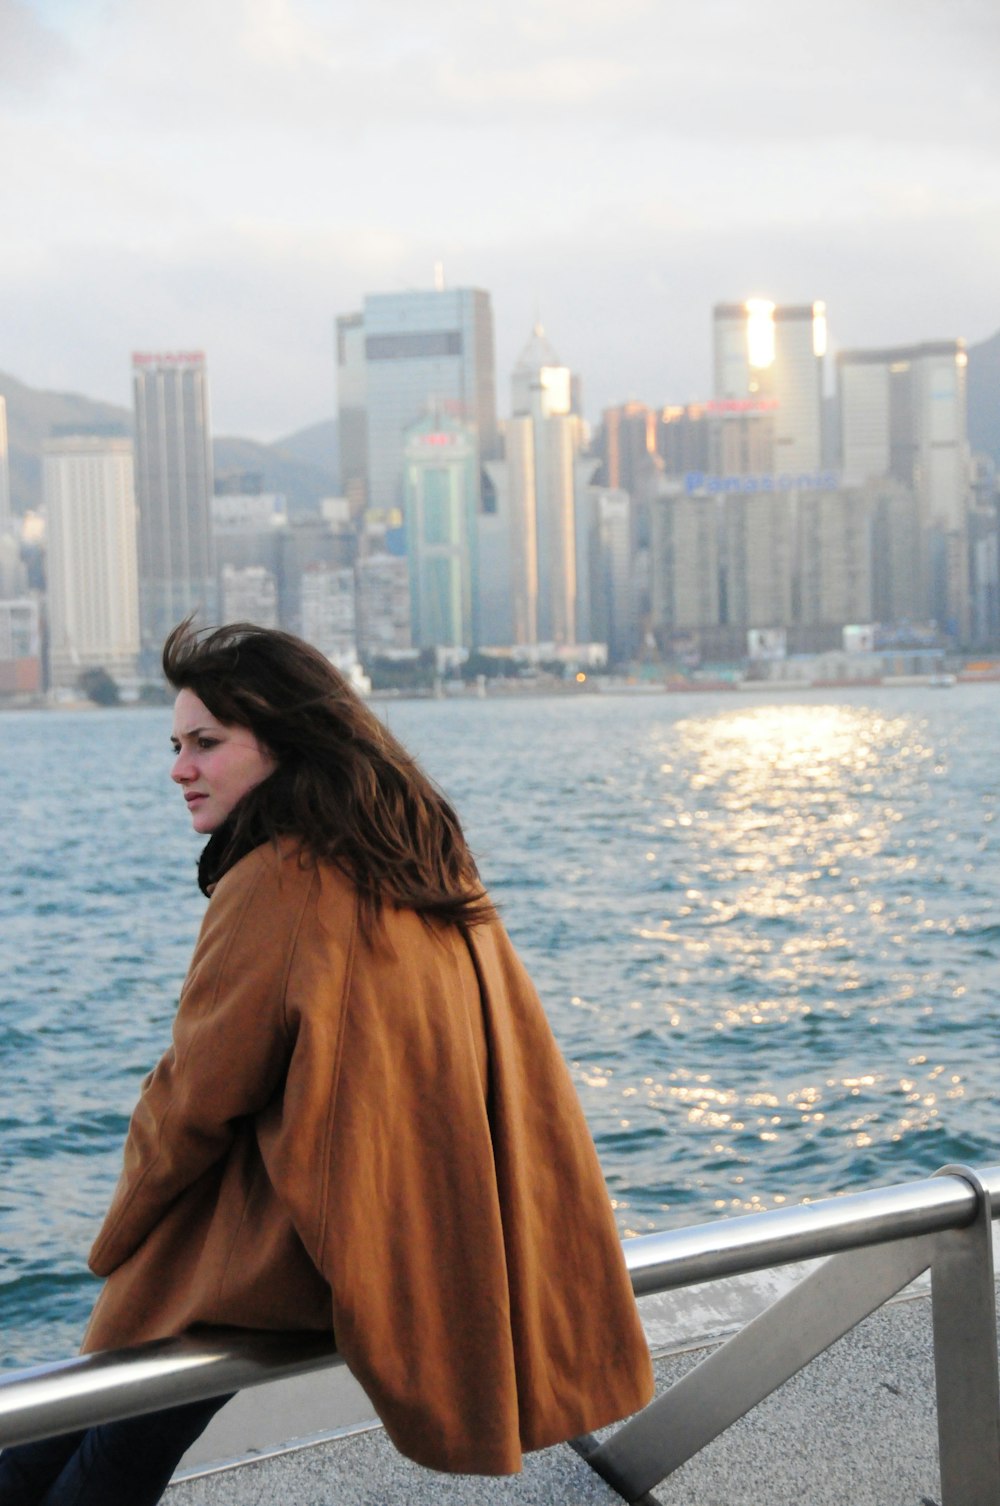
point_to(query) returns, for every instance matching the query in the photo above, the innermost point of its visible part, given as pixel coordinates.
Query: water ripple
(766, 936)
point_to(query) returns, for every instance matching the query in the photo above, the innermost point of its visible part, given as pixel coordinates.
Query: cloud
(231, 176)
(719, 70)
(31, 53)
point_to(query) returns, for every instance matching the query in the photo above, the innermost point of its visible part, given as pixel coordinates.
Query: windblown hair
(343, 785)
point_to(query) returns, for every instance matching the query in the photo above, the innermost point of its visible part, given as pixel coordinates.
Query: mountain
(304, 466)
(984, 397)
(318, 445)
(31, 418)
(279, 469)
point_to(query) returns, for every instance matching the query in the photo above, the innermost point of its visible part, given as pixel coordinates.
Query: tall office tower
(767, 350)
(424, 351)
(903, 415)
(92, 565)
(440, 503)
(6, 518)
(174, 491)
(684, 561)
(352, 411)
(545, 474)
(834, 559)
(758, 554)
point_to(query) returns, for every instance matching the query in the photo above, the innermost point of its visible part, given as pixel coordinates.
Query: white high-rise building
(92, 561)
(774, 351)
(328, 612)
(537, 486)
(249, 594)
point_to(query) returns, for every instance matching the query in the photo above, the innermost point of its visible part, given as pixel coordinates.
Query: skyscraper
(767, 350)
(422, 351)
(92, 573)
(543, 477)
(173, 490)
(441, 493)
(903, 416)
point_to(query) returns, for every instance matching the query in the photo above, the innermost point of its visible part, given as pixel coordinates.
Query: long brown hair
(344, 786)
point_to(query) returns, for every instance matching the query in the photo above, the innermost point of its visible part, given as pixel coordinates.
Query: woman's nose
(181, 768)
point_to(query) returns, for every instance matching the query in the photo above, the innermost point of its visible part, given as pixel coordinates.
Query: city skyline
(232, 182)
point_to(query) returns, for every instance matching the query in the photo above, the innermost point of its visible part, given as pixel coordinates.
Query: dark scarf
(255, 820)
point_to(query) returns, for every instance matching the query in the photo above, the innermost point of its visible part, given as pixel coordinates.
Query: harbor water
(765, 930)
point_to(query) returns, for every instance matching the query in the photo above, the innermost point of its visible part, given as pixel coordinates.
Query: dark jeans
(126, 1463)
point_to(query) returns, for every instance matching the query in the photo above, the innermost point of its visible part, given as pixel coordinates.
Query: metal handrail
(756, 1241)
(72, 1394)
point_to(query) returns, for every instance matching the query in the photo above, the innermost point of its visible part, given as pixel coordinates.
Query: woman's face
(217, 763)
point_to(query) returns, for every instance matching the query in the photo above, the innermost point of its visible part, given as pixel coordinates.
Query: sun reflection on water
(793, 894)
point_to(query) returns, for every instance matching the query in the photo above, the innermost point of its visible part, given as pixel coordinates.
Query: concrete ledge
(307, 1410)
(862, 1417)
(857, 1426)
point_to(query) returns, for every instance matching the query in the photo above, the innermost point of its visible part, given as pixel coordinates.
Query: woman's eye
(208, 742)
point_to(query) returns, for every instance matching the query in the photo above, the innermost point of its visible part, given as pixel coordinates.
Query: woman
(363, 1126)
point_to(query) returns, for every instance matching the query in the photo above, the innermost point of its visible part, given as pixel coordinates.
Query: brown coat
(377, 1136)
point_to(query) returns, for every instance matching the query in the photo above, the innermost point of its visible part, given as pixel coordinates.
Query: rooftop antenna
(439, 277)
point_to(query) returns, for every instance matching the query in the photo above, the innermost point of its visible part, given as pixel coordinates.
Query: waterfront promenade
(856, 1428)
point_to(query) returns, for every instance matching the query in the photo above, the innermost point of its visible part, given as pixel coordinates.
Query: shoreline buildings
(748, 525)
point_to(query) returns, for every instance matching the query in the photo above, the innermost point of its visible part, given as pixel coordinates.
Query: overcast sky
(229, 175)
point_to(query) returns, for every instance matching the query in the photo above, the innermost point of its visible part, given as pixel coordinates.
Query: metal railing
(875, 1243)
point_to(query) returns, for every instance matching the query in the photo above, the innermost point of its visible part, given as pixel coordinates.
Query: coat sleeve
(231, 1044)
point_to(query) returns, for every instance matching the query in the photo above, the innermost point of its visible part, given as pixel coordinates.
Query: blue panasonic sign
(788, 481)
